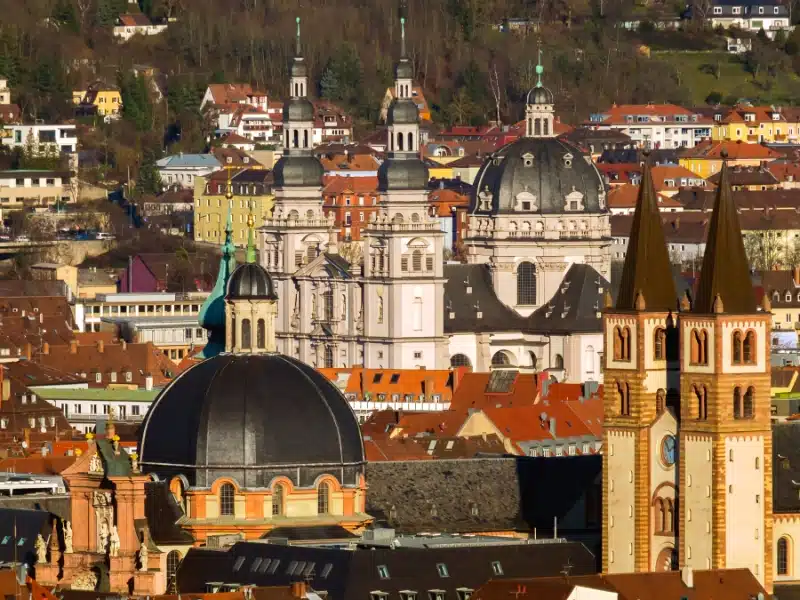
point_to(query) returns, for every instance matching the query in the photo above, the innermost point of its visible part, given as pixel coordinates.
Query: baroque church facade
(538, 211)
(687, 466)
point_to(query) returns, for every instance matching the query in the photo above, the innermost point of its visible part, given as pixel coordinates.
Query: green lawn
(734, 81)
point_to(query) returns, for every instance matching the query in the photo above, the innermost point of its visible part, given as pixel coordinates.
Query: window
(460, 360)
(660, 344)
(226, 499)
(783, 556)
(383, 571)
(737, 403)
(749, 348)
(416, 260)
(497, 568)
(699, 347)
(622, 343)
(737, 347)
(441, 568)
(277, 500)
(238, 564)
(261, 334)
(623, 389)
(323, 498)
(246, 334)
(747, 403)
(702, 402)
(326, 570)
(526, 284)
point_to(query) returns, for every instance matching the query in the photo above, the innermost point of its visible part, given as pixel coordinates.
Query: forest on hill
(471, 70)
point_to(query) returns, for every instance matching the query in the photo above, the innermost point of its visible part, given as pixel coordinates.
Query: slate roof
(44, 503)
(28, 524)
(183, 161)
(574, 308)
(162, 513)
(314, 533)
(786, 467)
(478, 495)
(345, 574)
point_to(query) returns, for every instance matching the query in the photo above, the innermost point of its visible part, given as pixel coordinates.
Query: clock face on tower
(668, 449)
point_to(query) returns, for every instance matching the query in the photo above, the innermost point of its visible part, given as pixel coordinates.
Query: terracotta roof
(627, 196)
(736, 151)
(9, 113)
(134, 20)
(666, 113)
(619, 173)
(236, 139)
(37, 465)
(224, 93)
(340, 184)
(725, 272)
(382, 448)
(349, 162)
(668, 177)
(647, 265)
(733, 584)
(785, 171)
(372, 382)
(762, 114)
(743, 176)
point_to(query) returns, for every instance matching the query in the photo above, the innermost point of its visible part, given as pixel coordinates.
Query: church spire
(539, 70)
(539, 107)
(725, 276)
(647, 272)
(297, 50)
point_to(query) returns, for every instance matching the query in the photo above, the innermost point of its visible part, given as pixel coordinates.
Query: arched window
(416, 260)
(328, 357)
(305, 139)
(277, 500)
(736, 342)
(311, 252)
(660, 516)
(737, 403)
(624, 399)
(233, 332)
(501, 359)
(261, 334)
(702, 402)
(699, 349)
(323, 498)
(558, 362)
(460, 360)
(660, 344)
(173, 562)
(526, 284)
(661, 402)
(747, 403)
(296, 138)
(533, 359)
(246, 334)
(415, 218)
(749, 348)
(400, 142)
(410, 142)
(618, 343)
(226, 496)
(327, 303)
(546, 126)
(669, 515)
(537, 127)
(783, 556)
(398, 218)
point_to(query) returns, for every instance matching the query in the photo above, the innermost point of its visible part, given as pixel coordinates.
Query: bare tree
(497, 90)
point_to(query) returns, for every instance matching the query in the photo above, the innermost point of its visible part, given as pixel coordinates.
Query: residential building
(752, 16)
(757, 124)
(234, 140)
(92, 282)
(655, 125)
(331, 123)
(24, 190)
(131, 24)
(84, 408)
(786, 172)
(57, 272)
(9, 114)
(250, 123)
(596, 141)
(221, 94)
(231, 194)
(622, 200)
(750, 178)
(179, 272)
(177, 336)
(706, 158)
(182, 169)
(352, 201)
(782, 288)
(347, 164)
(169, 203)
(98, 99)
(450, 206)
(43, 138)
(467, 167)
(417, 95)
(5, 92)
(670, 179)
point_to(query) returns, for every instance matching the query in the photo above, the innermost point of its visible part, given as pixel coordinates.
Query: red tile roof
(134, 20)
(665, 113)
(224, 93)
(339, 184)
(738, 150)
(626, 196)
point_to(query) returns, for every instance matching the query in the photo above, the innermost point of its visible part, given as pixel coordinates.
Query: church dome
(403, 70)
(298, 109)
(402, 174)
(250, 417)
(538, 175)
(300, 171)
(250, 281)
(540, 95)
(298, 68)
(403, 112)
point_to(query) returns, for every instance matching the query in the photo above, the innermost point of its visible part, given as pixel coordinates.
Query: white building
(43, 138)
(136, 24)
(182, 169)
(5, 92)
(768, 15)
(655, 125)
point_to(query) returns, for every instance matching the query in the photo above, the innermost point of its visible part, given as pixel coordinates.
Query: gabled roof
(627, 196)
(738, 150)
(224, 93)
(647, 265)
(725, 272)
(339, 184)
(178, 161)
(744, 176)
(576, 305)
(134, 20)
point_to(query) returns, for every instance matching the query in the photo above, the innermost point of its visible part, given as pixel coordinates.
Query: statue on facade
(95, 464)
(67, 537)
(113, 549)
(143, 557)
(103, 537)
(41, 549)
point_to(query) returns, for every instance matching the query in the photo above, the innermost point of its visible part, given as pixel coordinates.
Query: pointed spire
(539, 70)
(297, 50)
(647, 270)
(251, 256)
(725, 274)
(402, 37)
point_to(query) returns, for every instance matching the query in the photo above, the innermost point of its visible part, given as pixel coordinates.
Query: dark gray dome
(402, 111)
(298, 109)
(399, 174)
(403, 69)
(540, 172)
(540, 95)
(298, 68)
(249, 417)
(250, 281)
(300, 171)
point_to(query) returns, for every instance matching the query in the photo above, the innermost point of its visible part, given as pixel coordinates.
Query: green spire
(539, 70)
(251, 256)
(402, 37)
(297, 40)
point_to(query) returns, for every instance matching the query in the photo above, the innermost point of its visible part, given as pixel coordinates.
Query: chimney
(73, 346)
(298, 589)
(687, 576)
(148, 382)
(796, 276)
(553, 426)
(45, 348)
(28, 351)
(100, 346)
(124, 345)
(41, 317)
(5, 386)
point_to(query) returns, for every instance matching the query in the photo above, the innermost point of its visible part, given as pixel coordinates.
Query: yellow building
(107, 101)
(249, 186)
(757, 124)
(705, 159)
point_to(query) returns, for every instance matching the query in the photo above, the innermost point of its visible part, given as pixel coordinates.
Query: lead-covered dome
(402, 111)
(298, 68)
(248, 417)
(250, 281)
(402, 174)
(300, 171)
(538, 175)
(298, 109)
(403, 70)
(539, 95)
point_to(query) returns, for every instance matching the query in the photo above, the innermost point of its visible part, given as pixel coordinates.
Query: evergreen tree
(148, 181)
(137, 107)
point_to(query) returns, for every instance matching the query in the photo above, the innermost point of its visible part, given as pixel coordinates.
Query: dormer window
(525, 202)
(568, 160)
(574, 201)
(527, 159)
(485, 200)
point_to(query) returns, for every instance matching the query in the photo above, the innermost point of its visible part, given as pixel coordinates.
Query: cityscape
(416, 300)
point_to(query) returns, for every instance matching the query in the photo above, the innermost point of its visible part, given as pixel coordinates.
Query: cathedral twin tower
(687, 473)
